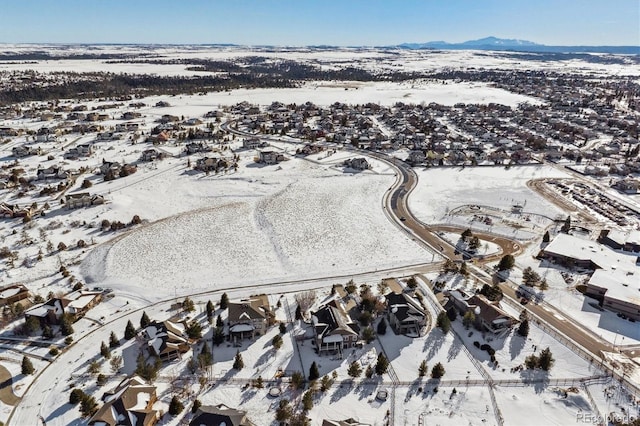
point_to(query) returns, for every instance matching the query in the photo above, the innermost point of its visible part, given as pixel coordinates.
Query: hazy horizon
(315, 22)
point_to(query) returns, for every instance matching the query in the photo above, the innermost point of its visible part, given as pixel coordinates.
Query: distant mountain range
(494, 43)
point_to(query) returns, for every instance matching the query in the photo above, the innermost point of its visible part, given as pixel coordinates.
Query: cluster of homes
(615, 276)
(75, 305)
(463, 134)
(131, 403)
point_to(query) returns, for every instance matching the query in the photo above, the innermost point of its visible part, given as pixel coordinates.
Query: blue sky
(307, 22)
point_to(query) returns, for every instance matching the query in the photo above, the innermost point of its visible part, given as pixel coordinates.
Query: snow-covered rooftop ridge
(581, 249)
(621, 284)
(623, 236)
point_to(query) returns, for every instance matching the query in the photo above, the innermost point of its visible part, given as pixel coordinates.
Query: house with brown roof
(167, 340)
(249, 317)
(76, 304)
(218, 415)
(82, 199)
(489, 316)
(129, 404)
(12, 293)
(405, 314)
(333, 328)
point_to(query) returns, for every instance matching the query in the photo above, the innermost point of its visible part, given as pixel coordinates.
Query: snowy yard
(263, 224)
(441, 190)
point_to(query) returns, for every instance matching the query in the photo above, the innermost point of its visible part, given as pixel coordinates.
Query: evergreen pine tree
(354, 369)
(210, 310)
(422, 369)
(175, 406)
(443, 322)
(129, 331)
(238, 363)
(307, 400)
(314, 373)
(382, 365)
(27, 366)
(224, 301)
(523, 328)
(104, 350)
(66, 328)
(144, 320)
(437, 371)
(113, 340)
(546, 361)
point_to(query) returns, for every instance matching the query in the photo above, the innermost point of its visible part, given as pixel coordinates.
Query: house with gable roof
(167, 340)
(405, 314)
(219, 415)
(249, 317)
(489, 316)
(76, 304)
(333, 328)
(129, 404)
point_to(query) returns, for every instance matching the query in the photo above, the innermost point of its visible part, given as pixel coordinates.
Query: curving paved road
(588, 344)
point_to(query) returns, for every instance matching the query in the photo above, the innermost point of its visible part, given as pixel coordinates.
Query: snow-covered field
(440, 190)
(368, 58)
(385, 93)
(264, 224)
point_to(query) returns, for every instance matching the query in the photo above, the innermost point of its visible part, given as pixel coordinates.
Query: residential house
(12, 293)
(8, 131)
(359, 163)
(253, 143)
(207, 164)
(333, 328)
(109, 136)
(151, 155)
(14, 210)
(127, 127)
(76, 304)
(167, 340)
(195, 147)
(46, 134)
(52, 172)
(416, 157)
(309, 149)
(129, 404)
(130, 115)
(218, 415)
(249, 317)
(84, 150)
(112, 167)
(82, 199)
(405, 314)
(23, 151)
(489, 316)
(270, 157)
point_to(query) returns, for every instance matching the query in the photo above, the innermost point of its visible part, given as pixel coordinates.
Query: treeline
(44, 56)
(114, 85)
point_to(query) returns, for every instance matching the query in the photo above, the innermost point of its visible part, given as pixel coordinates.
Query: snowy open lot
(440, 190)
(302, 221)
